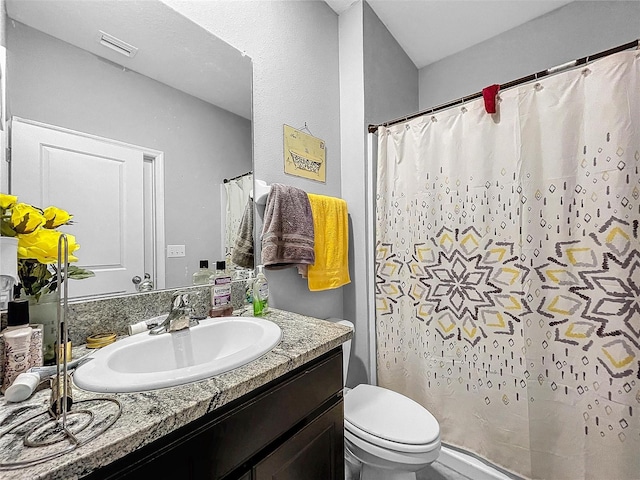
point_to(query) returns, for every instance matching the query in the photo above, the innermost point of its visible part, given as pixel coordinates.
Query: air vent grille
(117, 45)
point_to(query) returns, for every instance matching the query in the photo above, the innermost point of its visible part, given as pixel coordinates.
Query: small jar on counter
(20, 344)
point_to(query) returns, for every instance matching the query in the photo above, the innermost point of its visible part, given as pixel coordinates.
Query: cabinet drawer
(244, 432)
(314, 453)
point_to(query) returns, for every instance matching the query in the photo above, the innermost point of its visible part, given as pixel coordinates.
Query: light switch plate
(175, 251)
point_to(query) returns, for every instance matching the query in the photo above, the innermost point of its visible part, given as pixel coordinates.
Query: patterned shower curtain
(508, 272)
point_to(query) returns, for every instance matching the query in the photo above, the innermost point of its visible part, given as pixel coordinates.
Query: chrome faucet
(179, 316)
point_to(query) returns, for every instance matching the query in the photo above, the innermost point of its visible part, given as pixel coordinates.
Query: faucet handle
(181, 312)
(180, 300)
(179, 316)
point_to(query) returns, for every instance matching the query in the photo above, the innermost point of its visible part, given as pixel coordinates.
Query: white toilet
(390, 435)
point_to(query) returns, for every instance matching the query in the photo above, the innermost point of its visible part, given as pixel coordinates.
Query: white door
(101, 184)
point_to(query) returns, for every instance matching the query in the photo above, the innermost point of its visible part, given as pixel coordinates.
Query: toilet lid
(390, 415)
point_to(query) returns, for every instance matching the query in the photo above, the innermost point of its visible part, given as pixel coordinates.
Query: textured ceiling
(172, 49)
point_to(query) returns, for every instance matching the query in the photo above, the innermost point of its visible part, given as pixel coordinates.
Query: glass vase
(44, 311)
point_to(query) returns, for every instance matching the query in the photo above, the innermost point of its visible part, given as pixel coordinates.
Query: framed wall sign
(304, 155)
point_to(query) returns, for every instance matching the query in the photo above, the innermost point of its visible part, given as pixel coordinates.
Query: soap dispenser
(260, 293)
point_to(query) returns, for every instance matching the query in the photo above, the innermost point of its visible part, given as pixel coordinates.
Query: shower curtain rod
(534, 76)
(227, 180)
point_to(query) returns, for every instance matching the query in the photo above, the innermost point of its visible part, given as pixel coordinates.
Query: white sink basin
(147, 362)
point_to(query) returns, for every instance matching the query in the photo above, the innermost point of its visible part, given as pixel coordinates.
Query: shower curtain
(237, 193)
(508, 272)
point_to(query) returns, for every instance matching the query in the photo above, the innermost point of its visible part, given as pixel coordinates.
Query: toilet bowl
(390, 435)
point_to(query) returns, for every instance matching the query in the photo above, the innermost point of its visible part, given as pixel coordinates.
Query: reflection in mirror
(131, 117)
(239, 225)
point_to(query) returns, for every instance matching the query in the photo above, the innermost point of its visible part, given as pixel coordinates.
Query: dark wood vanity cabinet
(289, 429)
(310, 454)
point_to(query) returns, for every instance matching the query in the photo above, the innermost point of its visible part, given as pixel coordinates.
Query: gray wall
(4, 168)
(294, 48)
(203, 144)
(352, 120)
(3, 23)
(378, 82)
(390, 91)
(300, 76)
(576, 30)
(390, 76)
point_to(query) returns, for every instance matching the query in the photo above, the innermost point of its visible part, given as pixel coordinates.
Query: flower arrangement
(38, 237)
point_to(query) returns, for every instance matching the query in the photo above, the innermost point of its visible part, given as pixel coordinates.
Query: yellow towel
(331, 231)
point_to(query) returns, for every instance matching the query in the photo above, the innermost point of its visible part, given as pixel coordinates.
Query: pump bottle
(260, 293)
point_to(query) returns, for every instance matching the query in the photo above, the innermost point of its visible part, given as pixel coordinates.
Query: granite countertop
(149, 415)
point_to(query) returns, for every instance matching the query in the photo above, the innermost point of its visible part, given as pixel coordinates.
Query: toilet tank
(346, 347)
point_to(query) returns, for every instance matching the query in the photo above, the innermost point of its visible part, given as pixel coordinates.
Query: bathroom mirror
(85, 78)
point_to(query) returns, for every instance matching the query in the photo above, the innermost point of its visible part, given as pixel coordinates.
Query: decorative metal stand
(61, 429)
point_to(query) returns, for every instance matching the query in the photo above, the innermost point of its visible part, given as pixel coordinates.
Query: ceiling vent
(117, 45)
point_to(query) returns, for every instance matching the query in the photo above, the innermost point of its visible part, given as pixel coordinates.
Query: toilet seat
(367, 438)
(379, 456)
(390, 420)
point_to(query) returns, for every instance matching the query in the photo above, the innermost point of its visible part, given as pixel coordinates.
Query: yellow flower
(56, 217)
(26, 219)
(7, 201)
(42, 246)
